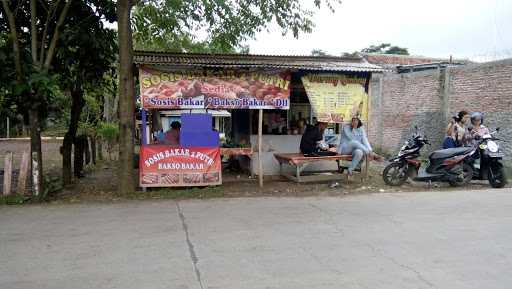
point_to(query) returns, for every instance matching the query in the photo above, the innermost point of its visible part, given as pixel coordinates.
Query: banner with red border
(214, 89)
(165, 166)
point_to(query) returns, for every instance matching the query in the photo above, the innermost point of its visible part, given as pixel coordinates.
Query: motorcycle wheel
(395, 174)
(467, 172)
(496, 176)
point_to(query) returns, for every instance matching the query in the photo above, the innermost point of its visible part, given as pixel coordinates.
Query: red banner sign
(214, 89)
(164, 166)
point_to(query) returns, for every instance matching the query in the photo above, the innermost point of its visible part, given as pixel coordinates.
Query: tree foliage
(386, 48)
(57, 48)
(216, 26)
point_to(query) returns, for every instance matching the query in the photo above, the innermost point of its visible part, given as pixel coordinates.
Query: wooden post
(7, 174)
(35, 174)
(260, 161)
(143, 126)
(368, 103)
(22, 177)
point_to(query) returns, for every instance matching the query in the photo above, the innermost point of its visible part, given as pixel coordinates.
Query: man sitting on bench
(310, 143)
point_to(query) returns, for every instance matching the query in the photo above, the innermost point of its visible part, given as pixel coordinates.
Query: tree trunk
(100, 149)
(106, 107)
(79, 155)
(86, 150)
(67, 151)
(36, 152)
(93, 149)
(126, 176)
(77, 103)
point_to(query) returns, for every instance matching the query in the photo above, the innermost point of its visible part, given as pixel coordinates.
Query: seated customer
(172, 136)
(478, 130)
(309, 143)
(354, 142)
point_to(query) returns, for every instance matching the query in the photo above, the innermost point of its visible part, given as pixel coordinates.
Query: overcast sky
(477, 29)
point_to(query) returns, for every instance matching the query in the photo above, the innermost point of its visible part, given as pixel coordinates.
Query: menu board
(336, 98)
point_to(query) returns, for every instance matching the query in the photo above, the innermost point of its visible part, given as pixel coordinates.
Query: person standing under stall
(355, 142)
(456, 132)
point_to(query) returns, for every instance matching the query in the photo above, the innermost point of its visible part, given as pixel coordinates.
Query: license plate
(496, 155)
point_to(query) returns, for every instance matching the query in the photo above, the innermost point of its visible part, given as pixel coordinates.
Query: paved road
(410, 240)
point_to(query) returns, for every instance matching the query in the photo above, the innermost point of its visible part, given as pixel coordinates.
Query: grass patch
(179, 193)
(14, 199)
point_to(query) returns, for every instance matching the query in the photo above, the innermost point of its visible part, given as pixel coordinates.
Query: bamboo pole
(260, 161)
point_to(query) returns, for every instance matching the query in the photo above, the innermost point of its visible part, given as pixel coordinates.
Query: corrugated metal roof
(319, 63)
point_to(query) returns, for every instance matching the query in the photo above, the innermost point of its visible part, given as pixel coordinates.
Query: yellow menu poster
(336, 98)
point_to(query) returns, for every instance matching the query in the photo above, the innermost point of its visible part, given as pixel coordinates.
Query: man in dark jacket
(309, 141)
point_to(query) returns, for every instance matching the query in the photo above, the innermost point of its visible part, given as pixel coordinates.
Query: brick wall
(488, 88)
(429, 98)
(400, 102)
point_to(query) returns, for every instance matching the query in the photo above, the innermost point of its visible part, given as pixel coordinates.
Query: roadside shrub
(108, 132)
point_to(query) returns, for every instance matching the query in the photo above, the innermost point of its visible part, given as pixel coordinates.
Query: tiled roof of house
(317, 63)
(394, 60)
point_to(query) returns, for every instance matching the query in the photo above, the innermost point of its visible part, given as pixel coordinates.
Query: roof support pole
(260, 135)
(143, 137)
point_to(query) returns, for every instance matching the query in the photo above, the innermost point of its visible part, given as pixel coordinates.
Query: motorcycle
(447, 165)
(486, 160)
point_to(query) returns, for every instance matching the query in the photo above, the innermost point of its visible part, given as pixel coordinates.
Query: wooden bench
(299, 161)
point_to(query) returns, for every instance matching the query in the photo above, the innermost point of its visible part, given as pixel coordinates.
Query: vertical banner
(165, 166)
(336, 98)
(215, 89)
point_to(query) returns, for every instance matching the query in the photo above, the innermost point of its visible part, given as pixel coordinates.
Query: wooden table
(236, 152)
(299, 161)
(231, 152)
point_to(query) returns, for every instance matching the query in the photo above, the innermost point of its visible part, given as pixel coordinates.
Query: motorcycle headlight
(492, 146)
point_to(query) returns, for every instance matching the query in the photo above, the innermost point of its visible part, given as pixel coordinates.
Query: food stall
(270, 99)
(196, 160)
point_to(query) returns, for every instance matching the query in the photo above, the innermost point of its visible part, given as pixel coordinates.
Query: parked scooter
(486, 160)
(447, 165)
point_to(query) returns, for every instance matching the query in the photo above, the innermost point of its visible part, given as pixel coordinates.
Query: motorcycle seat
(448, 153)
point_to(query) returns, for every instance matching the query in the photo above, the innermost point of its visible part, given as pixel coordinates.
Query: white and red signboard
(214, 89)
(164, 166)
